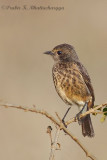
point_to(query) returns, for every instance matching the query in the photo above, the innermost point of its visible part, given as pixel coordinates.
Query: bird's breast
(63, 87)
(70, 86)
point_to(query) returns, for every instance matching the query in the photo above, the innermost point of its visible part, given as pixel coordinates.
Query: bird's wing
(87, 80)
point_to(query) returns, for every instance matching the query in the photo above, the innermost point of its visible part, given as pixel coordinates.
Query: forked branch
(59, 125)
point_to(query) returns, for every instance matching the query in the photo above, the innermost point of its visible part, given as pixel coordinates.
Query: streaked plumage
(72, 82)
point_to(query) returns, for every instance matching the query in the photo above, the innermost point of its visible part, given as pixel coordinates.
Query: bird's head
(63, 53)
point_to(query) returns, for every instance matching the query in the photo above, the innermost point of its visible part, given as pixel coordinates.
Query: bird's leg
(81, 111)
(65, 116)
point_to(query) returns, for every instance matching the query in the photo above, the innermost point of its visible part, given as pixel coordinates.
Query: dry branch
(60, 126)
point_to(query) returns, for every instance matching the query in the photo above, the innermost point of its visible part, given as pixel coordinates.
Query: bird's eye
(59, 52)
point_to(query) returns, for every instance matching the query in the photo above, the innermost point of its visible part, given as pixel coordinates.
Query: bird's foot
(64, 123)
(77, 117)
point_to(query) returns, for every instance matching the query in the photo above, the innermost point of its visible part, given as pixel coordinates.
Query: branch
(92, 110)
(34, 109)
(59, 124)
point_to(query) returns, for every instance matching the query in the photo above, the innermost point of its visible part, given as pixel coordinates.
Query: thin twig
(101, 112)
(54, 144)
(58, 117)
(79, 143)
(49, 131)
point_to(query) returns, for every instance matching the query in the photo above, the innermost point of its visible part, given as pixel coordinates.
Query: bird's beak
(48, 52)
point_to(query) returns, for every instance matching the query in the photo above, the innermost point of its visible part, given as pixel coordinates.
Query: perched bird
(72, 83)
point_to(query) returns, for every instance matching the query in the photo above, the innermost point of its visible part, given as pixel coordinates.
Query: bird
(73, 84)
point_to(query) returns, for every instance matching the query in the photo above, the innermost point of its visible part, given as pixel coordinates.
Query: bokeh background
(26, 79)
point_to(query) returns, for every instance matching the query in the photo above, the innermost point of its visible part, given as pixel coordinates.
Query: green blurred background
(26, 78)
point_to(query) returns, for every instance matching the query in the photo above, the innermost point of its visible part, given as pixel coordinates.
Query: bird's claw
(64, 123)
(77, 117)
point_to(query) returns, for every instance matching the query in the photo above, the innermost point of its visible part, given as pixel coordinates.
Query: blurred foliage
(103, 112)
(103, 118)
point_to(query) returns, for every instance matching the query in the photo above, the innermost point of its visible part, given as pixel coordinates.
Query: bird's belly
(63, 95)
(69, 97)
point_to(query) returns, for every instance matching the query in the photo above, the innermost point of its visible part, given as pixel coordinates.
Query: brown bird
(73, 84)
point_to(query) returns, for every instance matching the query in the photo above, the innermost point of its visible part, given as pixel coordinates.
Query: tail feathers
(87, 128)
